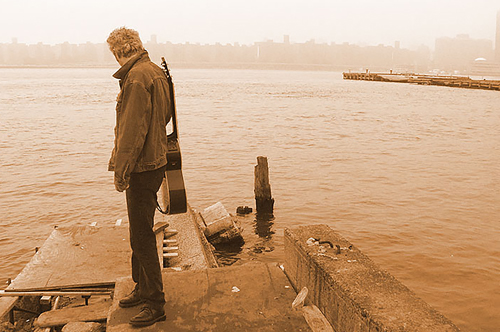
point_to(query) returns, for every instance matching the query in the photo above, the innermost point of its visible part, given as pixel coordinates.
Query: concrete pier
(346, 291)
(353, 293)
(250, 297)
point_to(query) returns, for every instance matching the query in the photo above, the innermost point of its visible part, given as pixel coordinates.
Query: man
(139, 160)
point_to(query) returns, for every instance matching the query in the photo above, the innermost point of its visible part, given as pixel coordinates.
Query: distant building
(483, 67)
(497, 42)
(458, 54)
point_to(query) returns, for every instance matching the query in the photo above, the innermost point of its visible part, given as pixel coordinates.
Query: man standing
(139, 161)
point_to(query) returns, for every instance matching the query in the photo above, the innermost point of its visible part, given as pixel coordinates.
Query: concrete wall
(352, 292)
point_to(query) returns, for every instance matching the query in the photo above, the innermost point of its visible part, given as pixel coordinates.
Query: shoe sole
(148, 323)
(130, 305)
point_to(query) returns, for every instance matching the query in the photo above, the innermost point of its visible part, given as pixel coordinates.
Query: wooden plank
(6, 305)
(94, 312)
(167, 249)
(54, 307)
(77, 287)
(169, 233)
(51, 293)
(160, 226)
(315, 319)
(159, 229)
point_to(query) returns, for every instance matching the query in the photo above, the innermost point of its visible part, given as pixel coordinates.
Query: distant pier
(450, 81)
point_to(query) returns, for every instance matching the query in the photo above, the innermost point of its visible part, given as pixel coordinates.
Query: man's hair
(124, 42)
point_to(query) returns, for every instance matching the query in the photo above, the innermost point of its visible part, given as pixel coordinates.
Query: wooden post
(262, 189)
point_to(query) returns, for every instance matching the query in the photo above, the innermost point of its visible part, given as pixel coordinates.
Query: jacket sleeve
(134, 122)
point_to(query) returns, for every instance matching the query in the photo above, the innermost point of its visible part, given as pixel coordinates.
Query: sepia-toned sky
(364, 22)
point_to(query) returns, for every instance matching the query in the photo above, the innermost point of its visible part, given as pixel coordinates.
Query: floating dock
(449, 81)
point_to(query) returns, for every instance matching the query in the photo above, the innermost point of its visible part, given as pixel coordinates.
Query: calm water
(409, 174)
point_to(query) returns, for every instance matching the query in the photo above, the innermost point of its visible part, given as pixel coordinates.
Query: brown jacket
(143, 110)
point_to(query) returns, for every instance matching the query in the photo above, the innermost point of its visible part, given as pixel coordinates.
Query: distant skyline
(363, 22)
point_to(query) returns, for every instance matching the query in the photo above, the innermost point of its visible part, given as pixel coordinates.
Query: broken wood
(167, 249)
(262, 188)
(315, 319)
(104, 286)
(54, 307)
(170, 254)
(169, 233)
(220, 225)
(313, 316)
(160, 226)
(300, 299)
(52, 293)
(94, 312)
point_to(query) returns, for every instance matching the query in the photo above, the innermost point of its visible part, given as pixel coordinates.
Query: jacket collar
(123, 71)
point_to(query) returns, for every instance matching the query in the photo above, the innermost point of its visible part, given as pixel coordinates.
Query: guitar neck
(174, 134)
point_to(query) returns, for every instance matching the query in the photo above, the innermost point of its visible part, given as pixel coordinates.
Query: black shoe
(131, 300)
(148, 316)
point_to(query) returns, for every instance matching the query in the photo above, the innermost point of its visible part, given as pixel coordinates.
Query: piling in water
(263, 199)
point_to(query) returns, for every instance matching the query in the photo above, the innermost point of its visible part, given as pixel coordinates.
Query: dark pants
(141, 206)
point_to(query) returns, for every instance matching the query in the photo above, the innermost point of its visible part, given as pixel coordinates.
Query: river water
(409, 174)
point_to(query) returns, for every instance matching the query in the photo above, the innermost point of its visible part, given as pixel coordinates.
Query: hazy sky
(366, 22)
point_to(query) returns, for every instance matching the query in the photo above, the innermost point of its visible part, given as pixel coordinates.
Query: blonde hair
(124, 42)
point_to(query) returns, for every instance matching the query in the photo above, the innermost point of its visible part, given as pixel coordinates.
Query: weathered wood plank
(160, 227)
(315, 318)
(94, 312)
(96, 287)
(6, 305)
(52, 293)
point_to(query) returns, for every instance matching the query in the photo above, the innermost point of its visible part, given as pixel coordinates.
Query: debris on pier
(221, 227)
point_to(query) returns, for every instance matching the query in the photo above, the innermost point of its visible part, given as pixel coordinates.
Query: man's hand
(121, 185)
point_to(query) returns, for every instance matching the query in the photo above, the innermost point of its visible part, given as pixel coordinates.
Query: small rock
(83, 327)
(243, 210)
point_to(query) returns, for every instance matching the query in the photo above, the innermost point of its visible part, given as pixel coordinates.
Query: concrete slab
(77, 256)
(250, 297)
(74, 256)
(354, 293)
